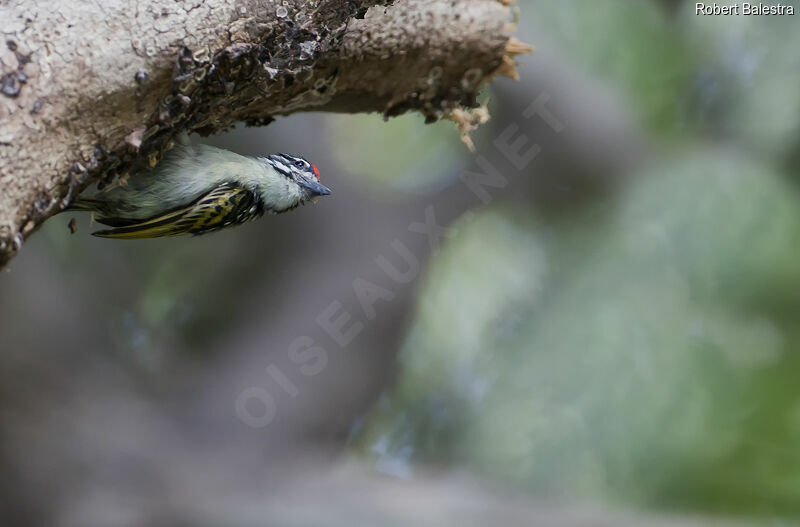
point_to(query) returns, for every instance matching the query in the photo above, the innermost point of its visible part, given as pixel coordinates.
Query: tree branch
(91, 91)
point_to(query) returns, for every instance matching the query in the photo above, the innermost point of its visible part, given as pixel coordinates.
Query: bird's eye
(299, 164)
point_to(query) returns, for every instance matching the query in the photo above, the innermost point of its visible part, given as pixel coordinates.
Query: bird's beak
(316, 189)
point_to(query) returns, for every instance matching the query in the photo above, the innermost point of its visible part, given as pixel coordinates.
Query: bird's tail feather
(84, 204)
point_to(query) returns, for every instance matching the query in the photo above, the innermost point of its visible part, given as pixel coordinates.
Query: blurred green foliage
(655, 365)
(401, 153)
(747, 78)
(735, 76)
(628, 43)
(645, 351)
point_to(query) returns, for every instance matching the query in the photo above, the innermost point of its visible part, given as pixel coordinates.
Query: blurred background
(591, 320)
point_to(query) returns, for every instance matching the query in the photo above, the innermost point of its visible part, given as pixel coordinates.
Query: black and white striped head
(301, 172)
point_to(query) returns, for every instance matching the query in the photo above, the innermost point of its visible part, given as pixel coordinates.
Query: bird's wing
(223, 205)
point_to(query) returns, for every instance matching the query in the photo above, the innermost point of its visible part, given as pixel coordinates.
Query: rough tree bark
(90, 89)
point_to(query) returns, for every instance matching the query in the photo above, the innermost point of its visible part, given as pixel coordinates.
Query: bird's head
(302, 176)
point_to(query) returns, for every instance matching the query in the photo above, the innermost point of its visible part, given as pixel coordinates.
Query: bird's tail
(84, 204)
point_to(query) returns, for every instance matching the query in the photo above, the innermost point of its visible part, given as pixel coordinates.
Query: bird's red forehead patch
(315, 171)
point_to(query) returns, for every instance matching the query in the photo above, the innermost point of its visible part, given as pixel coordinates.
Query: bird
(197, 189)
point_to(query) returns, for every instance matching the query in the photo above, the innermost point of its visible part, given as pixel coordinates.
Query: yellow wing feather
(215, 210)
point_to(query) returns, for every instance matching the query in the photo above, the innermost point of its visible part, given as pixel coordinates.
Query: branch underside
(91, 92)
